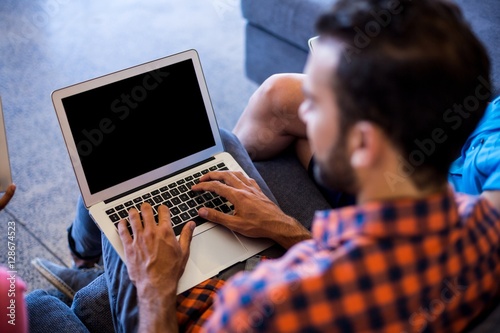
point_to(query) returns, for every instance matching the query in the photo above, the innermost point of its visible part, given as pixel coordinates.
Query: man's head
(406, 75)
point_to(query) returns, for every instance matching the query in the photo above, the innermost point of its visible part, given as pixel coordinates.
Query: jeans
(109, 303)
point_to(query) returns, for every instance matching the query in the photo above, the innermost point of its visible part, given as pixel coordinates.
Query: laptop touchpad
(215, 248)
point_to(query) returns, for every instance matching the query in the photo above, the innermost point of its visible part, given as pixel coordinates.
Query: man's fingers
(135, 220)
(124, 233)
(148, 219)
(185, 237)
(213, 215)
(234, 179)
(164, 216)
(9, 193)
(215, 187)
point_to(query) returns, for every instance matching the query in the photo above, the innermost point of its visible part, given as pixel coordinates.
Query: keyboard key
(191, 203)
(174, 211)
(157, 199)
(184, 197)
(146, 196)
(155, 192)
(213, 168)
(119, 207)
(114, 218)
(129, 203)
(185, 217)
(183, 207)
(183, 188)
(176, 220)
(136, 200)
(193, 212)
(174, 192)
(217, 202)
(110, 211)
(221, 165)
(123, 213)
(176, 201)
(180, 182)
(172, 185)
(164, 188)
(166, 195)
(225, 209)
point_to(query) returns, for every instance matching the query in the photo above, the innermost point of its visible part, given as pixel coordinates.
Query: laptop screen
(128, 128)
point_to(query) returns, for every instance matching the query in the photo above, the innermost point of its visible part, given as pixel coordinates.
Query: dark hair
(407, 66)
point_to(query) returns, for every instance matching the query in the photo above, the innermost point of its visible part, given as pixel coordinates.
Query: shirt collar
(386, 219)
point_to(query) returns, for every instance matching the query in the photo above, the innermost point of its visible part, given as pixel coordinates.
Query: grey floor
(45, 45)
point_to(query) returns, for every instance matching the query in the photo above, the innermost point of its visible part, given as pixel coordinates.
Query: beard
(336, 172)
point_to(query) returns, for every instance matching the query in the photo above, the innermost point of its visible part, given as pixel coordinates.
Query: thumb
(185, 238)
(215, 216)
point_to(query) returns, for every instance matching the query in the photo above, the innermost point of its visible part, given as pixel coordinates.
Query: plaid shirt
(398, 266)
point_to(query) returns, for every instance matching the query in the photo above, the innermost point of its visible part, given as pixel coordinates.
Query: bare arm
(493, 197)
(155, 262)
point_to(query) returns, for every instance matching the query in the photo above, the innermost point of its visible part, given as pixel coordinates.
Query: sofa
(277, 32)
(276, 41)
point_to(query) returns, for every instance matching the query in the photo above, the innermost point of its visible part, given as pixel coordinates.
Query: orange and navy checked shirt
(398, 266)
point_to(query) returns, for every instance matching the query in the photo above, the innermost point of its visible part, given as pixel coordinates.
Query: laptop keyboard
(178, 197)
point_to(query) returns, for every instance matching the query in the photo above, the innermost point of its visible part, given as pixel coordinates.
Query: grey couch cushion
(291, 20)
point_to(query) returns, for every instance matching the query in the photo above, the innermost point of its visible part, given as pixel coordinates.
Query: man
(410, 255)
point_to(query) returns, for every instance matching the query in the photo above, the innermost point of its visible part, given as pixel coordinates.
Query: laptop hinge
(157, 181)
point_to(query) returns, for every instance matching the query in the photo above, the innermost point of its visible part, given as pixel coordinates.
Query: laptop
(147, 133)
(5, 171)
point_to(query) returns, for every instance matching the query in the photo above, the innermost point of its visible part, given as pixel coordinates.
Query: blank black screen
(128, 128)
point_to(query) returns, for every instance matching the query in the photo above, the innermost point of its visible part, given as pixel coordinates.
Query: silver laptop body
(140, 132)
(5, 170)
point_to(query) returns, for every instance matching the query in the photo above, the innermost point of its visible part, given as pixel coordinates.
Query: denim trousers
(109, 303)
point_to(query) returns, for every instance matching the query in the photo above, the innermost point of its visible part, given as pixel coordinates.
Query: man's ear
(364, 142)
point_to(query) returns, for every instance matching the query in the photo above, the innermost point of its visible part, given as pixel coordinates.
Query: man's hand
(4, 200)
(255, 215)
(155, 262)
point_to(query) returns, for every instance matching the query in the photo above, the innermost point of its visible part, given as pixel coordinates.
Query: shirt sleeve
(247, 301)
(478, 167)
(255, 301)
(492, 161)
(486, 162)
